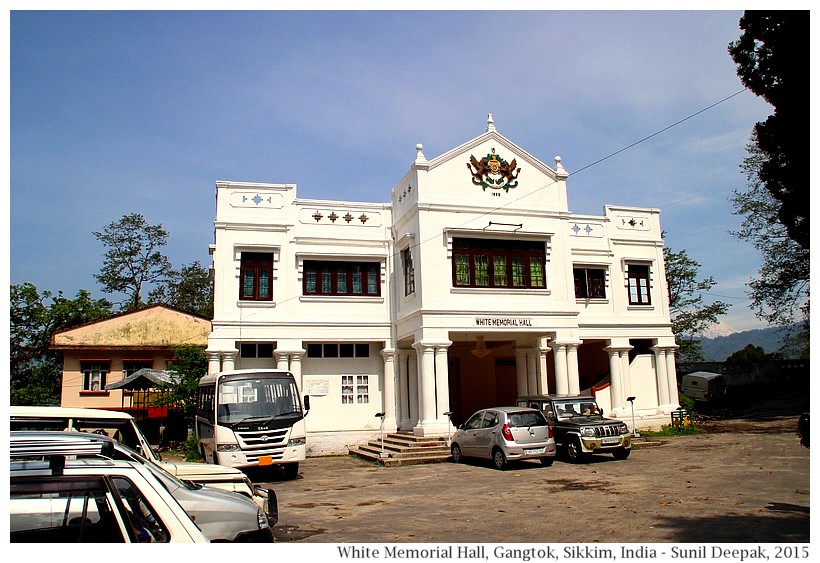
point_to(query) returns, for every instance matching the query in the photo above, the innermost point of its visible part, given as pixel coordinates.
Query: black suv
(579, 426)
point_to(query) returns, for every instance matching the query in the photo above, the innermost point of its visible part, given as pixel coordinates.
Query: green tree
(690, 315)
(188, 289)
(35, 370)
(750, 353)
(132, 258)
(188, 365)
(772, 57)
(780, 291)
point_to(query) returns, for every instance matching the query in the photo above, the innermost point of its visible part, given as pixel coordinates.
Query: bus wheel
(291, 470)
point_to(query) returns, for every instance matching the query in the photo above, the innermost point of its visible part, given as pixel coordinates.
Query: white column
(427, 387)
(296, 367)
(413, 377)
(402, 412)
(615, 378)
(532, 371)
(672, 376)
(661, 379)
(572, 368)
(442, 383)
(559, 351)
(214, 361)
(228, 360)
(543, 373)
(521, 372)
(389, 389)
(282, 360)
(626, 379)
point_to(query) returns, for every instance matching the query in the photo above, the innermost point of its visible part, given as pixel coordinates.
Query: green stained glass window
(357, 278)
(500, 271)
(482, 274)
(462, 269)
(327, 280)
(247, 282)
(373, 279)
(518, 271)
(341, 280)
(536, 273)
(509, 263)
(310, 279)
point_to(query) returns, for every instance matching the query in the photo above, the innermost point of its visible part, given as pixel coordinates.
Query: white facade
(478, 285)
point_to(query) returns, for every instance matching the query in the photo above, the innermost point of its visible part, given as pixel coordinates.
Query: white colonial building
(475, 284)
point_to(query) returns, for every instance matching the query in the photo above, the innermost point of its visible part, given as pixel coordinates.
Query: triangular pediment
(152, 327)
(503, 146)
(490, 171)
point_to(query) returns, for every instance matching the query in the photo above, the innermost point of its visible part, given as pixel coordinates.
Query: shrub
(192, 449)
(686, 402)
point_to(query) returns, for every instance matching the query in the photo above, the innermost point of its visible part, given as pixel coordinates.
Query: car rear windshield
(527, 419)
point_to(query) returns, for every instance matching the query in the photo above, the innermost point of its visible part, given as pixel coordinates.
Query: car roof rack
(57, 449)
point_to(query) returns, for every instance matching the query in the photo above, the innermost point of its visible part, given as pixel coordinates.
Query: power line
(656, 133)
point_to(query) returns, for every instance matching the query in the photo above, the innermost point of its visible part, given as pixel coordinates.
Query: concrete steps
(402, 448)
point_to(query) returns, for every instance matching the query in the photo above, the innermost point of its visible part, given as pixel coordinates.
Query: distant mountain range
(720, 347)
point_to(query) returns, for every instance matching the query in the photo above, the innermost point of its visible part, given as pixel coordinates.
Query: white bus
(250, 418)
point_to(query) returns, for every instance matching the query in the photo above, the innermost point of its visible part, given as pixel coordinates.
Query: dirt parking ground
(745, 480)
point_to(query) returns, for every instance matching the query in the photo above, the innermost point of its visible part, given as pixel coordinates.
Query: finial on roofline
(490, 123)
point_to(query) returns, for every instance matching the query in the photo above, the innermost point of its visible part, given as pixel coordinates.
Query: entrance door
(506, 383)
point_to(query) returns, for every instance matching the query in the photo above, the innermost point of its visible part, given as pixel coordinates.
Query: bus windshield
(257, 398)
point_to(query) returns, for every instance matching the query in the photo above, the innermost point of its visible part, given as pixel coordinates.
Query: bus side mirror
(307, 403)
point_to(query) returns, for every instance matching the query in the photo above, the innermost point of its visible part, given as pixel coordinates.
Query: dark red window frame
(256, 276)
(590, 283)
(495, 263)
(638, 289)
(341, 278)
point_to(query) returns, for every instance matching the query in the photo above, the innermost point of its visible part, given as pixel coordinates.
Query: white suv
(123, 428)
(90, 500)
(221, 515)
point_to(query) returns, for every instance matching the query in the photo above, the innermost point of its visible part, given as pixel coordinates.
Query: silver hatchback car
(504, 434)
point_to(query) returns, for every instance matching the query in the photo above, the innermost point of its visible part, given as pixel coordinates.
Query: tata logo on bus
(514, 322)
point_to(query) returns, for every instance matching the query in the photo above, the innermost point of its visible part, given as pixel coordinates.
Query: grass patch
(670, 430)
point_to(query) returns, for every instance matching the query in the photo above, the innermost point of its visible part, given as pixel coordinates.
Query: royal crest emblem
(494, 172)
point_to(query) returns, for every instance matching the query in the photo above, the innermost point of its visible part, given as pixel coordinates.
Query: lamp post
(381, 432)
(632, 404)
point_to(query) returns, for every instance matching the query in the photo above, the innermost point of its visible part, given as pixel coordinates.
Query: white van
(703, 386)
(63, 499)
(121, 427)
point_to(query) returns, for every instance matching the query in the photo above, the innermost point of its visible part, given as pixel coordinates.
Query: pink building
(101, 353)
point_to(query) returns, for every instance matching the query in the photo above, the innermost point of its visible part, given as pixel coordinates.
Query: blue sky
(142, 112)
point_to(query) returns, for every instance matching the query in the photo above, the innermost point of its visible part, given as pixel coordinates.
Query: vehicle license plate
(535, 450)
(265, 460)
(609, 441)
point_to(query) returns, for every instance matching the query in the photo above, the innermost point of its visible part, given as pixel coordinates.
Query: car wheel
(291, 470)
(499, 460)
(574, 451)
(547, 461)
(621, 453)
(455, 451)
